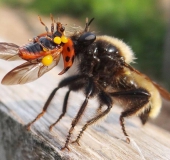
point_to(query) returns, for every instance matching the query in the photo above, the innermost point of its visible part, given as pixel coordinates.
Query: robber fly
(105, 71)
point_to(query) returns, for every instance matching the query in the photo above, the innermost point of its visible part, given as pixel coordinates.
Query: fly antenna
(87, 26)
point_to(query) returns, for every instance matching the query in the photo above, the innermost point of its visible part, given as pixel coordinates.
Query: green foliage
(138, 23)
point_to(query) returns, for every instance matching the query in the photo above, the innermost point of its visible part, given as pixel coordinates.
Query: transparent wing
(27, 72)
(164, 93)
(9, 51)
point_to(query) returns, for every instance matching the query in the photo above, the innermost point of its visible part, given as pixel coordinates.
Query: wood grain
(21, 103)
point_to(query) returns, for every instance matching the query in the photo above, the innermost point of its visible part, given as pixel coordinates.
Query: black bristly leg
(88, 92)
(128, 113)
(92, 121)
(64, 109)
(44, 108)
(75, 84)
(145, 115)
(138, 98)
(52, 24)
(63, 83)
(99, 109)
(106, 100)
(46, 28)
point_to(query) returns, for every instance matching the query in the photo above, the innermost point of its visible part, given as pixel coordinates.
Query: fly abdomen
(34, 48)
(31, 51)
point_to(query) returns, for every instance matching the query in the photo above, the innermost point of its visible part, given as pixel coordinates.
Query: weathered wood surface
(21, 103)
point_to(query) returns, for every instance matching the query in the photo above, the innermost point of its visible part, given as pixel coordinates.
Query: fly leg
(106, 100)
(52, 24)
(63, 83)
(99, 109)
(44, 108)
(64, 109)
(137, 99)
(46, 28)
(88, 92)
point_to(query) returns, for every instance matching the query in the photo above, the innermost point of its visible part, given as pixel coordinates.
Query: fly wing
(27, 72)
(9, 51)
(164, 93)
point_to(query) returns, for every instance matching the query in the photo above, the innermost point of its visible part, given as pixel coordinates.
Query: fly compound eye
(87, 38)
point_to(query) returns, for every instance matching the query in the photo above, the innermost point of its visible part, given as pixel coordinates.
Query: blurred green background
(141, 24)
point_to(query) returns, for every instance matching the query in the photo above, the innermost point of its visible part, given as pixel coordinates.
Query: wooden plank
(21, 103)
